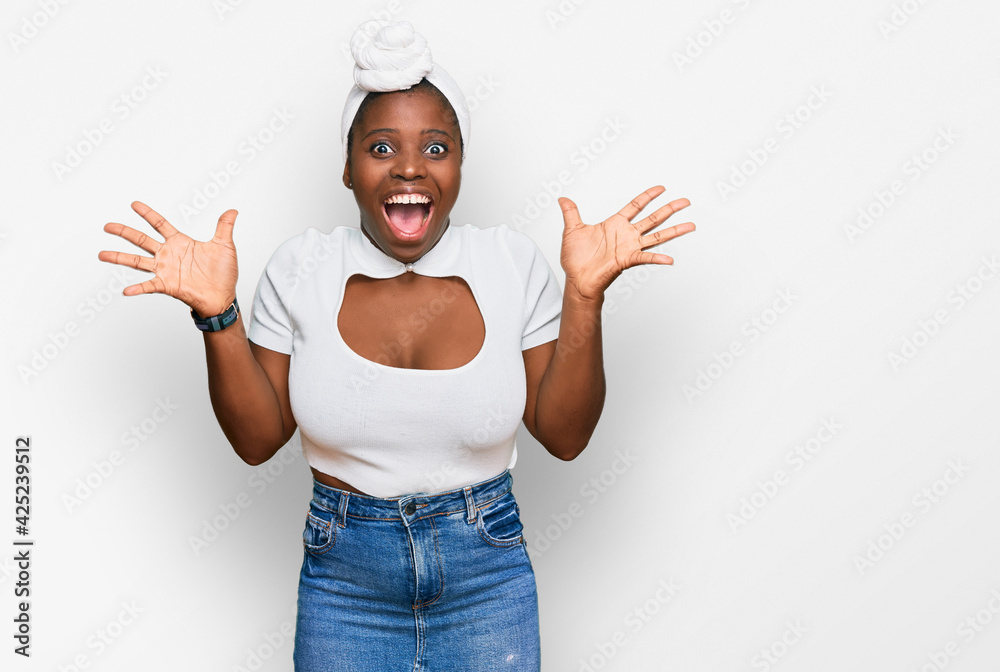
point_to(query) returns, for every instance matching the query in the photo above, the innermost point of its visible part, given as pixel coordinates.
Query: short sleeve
(542, 294)
(270, 318)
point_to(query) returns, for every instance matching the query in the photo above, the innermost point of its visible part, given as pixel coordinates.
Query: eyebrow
(429, 131)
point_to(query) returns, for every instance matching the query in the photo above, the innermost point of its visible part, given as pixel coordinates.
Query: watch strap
(217, 322)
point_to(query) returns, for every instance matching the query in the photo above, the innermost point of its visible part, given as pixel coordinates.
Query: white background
(814, 566)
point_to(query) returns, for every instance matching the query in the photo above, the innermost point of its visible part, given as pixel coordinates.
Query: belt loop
(470, 504)
(342, 511)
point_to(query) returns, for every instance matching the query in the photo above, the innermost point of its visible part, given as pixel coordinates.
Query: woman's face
(405, 171)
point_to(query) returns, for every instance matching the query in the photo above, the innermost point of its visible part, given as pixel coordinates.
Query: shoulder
(516, 241)
(311, 243)
(299, 257)
(501, 242)
(513, 258)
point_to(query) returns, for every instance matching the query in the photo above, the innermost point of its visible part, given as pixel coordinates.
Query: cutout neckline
(405, 370)
(438, 262)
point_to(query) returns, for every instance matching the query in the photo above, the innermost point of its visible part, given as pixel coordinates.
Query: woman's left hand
(594, 255)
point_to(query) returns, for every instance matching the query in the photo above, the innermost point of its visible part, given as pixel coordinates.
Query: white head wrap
(394, 59)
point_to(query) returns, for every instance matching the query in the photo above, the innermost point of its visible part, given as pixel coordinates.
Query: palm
(201, 274)
(189, 269)
(594, 255)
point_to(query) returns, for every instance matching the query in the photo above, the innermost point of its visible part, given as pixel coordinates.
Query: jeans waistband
(411, 507)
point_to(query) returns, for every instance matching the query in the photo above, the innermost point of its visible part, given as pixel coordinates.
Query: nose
(410, 165)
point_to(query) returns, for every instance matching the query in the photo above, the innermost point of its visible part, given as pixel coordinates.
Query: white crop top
(390, 431)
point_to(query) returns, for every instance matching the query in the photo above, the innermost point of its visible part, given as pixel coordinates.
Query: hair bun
(396, 57)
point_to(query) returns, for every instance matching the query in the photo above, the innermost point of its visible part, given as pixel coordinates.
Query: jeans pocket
(320, 531)
(499, 522)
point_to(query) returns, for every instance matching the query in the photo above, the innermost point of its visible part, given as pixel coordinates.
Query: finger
(147, 287)
(571, 216)
(640, 202)
(155, 219)
(654, 239)
(125, 259)
(662, 214)
(652, 258)
(224, 229)
(137, 238)
(639, 258)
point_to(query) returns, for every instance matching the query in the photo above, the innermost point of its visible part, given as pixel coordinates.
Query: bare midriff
(414, 321)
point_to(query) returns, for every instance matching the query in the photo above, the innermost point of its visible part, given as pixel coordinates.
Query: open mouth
(408, 214)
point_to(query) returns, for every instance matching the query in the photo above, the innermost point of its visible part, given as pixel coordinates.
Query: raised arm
(248, 384)
(565, 377)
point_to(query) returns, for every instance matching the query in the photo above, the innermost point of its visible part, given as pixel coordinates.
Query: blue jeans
(422, 582)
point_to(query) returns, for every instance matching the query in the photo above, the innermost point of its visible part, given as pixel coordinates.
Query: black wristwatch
(217, 322)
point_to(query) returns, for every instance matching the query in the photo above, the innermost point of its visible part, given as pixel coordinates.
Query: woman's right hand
(201, 274)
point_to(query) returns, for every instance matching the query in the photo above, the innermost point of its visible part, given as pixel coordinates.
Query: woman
(407, 352)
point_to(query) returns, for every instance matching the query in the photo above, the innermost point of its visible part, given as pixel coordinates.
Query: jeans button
(410, 508)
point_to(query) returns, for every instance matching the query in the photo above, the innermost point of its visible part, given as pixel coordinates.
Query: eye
(381, 147)
(437, 148)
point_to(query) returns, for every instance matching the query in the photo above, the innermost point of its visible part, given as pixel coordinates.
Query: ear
(347, 175)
